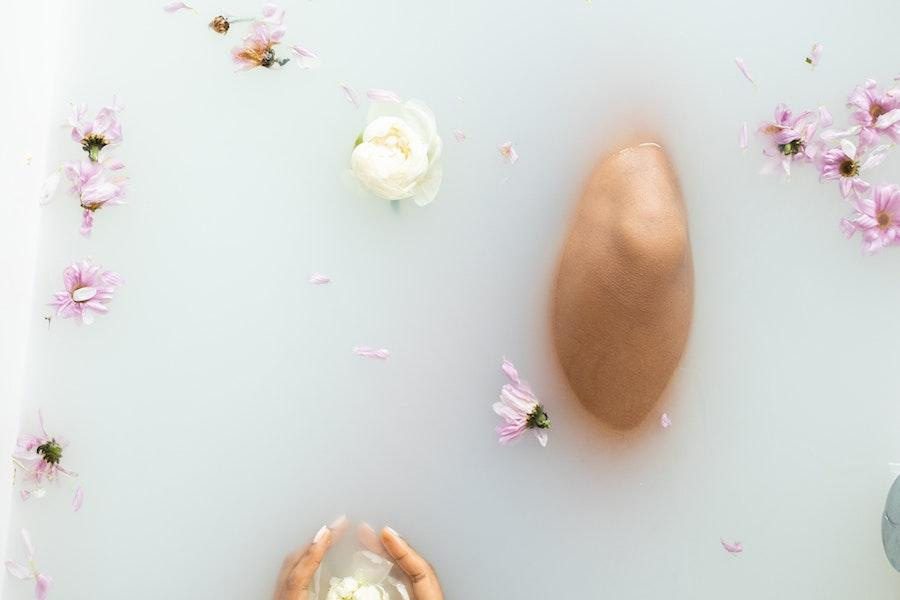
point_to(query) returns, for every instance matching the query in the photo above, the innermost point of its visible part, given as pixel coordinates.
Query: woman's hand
(299, 568)
(425, 585)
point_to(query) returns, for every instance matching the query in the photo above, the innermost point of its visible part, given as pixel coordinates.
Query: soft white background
(218, 416)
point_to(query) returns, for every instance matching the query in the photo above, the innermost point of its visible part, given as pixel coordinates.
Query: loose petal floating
(732, 548)
(825, 118)
(742, 66)
(48, 190)
(369, 352)
(176, 6)
(350, 94)
(508, 151)
(459, 134)
(745, 136)
(814, 55)
(377, 95)
(306, 58)
(319, 279)
(665, 421)
(78, 499)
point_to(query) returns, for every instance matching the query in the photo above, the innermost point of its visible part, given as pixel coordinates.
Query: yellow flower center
(394, 139)
(884, 220)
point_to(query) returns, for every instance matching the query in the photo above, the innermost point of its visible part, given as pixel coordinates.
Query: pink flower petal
(825, 118)
(369, 352)
(42, 587)
(350, 94)
(508, 151)
(319, 279)
(742, 66)
(377, 95)
(459, 134)
(18, 571)
(78, 499)
(175, 7)
(665, 421)
(745, 136)
(305, 58)
(732, 548)
(814, 55)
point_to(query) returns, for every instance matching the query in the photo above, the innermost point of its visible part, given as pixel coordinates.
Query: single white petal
(319, 279)
(48, 190)
(379, 95)
(848, 148)
(350, 94)
(888, 118)
(18, 571)
(742, 67)
(29, 547)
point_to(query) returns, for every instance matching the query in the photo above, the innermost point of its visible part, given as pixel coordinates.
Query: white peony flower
(371, 592)
(342, 588)
(396, 156)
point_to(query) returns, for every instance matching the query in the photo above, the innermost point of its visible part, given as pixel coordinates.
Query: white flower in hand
(396, 156)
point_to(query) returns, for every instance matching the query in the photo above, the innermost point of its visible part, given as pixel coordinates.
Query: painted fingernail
(338, 523)
(392, 532)
(320, 534)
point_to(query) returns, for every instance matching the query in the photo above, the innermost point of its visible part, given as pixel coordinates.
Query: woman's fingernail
(320, 534)
(338, 523)
(365, 526)
(392, 532)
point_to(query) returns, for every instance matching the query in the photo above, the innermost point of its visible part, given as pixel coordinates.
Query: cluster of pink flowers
(88, 289)
(91, 180)
(875, 127)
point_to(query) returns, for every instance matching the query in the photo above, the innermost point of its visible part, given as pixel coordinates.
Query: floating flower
(732, 548)
(94, 189)
(742, 67)
(843, 165)
(42, 582)
(876, 218)
(520, 409)
(876, 112)
(508, 151)
(814, 55)
(396, 156)
(319, 279)
(105, 130)
(789, 139)
(39, 457)
(88, 290)
(258, 49)
(369, 352)
(371, 580)
(306, 58)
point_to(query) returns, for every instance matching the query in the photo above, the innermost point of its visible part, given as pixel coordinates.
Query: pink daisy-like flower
(876, 112)
(258, 46)
(40, 457)
(94, 189)
(88, 290)
(104, 130)
(844, 164)
(876, 218)
(520, 409)
(789, 139)
(42, 582)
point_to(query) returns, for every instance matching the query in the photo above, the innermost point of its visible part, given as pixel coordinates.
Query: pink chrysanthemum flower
(520, 409)
(88, 290)
(258, 46)
(876, 218)
(104, 130)
(42, 582)
(876, 112)
(844, 164)
(94, 189)
(789, 139)
(40, 457)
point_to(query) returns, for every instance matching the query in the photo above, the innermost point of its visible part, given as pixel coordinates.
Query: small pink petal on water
(508, 151)
(742, 66)
(306, 58)
(369, 352)
(78, 499)
(175, 7)
(665, 421)
(459, 134)
(745, 136)
(113, 164)
(42, 586)
(735, 547)
(319, 279)
(350, 94)
(377, 95)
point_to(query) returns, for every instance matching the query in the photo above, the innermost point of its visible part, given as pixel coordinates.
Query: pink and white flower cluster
(94, 180)
(88, 289)
(845, 156)
(39, 459)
